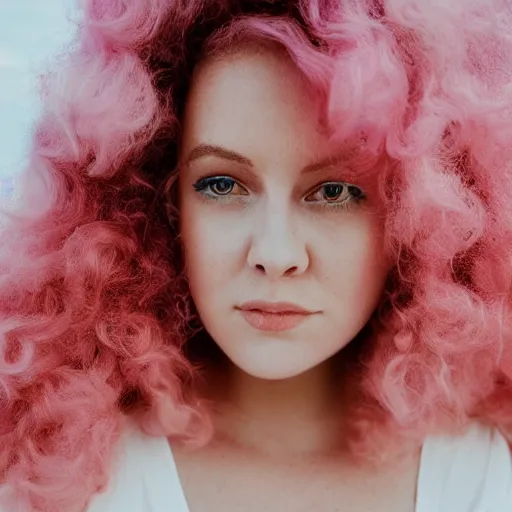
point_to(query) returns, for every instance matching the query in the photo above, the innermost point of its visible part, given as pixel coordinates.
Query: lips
(274, 317)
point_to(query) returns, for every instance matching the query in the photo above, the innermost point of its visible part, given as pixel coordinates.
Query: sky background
(31, 32)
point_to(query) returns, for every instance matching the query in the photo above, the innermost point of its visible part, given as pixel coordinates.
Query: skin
(277, 235)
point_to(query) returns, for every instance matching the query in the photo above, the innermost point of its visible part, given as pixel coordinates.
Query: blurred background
(31, 32)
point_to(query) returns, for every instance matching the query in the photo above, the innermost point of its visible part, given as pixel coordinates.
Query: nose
(276, 249)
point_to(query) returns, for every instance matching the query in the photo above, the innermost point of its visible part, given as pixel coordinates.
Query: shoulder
(468, 469)
(143, 476)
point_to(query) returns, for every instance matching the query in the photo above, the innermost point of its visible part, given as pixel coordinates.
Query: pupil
(223, 186)
(333, 191)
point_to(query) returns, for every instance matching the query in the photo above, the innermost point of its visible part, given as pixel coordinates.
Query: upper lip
(274, 307)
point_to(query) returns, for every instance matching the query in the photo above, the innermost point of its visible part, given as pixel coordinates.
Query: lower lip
(273, 321)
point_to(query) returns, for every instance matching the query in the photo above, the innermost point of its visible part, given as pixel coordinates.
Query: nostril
(289, 271)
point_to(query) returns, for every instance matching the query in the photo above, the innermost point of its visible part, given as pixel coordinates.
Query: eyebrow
(208, 150)
(203, 150)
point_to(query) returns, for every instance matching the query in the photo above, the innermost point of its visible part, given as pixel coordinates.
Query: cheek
(211, 251)
(356, 259)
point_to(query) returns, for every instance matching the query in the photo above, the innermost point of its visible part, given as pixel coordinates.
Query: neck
(293, 417)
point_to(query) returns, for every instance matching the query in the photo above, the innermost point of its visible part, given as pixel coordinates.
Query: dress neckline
(423, 500)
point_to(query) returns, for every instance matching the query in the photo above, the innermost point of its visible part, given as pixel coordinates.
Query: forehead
(254, 100)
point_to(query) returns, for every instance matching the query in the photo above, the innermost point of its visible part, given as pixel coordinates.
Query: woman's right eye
(217, 186)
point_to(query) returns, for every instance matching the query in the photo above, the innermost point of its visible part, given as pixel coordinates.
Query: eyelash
(355, 195)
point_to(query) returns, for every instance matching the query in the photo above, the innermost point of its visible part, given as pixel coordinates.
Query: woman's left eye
(335, 193)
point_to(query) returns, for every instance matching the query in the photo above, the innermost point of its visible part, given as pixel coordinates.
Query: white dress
(472, 473)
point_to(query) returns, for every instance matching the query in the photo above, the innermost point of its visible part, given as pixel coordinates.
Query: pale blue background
(31, 31)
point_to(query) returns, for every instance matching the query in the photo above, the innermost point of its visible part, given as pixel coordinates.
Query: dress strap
(468, 473)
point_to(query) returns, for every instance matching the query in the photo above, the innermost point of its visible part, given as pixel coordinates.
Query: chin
(272, 373)
(270, 367)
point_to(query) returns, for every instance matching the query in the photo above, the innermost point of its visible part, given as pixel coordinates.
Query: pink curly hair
(94, 314)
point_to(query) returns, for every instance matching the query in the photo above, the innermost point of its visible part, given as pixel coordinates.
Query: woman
(263, 263)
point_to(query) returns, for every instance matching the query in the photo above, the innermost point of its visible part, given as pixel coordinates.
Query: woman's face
(283, 247)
